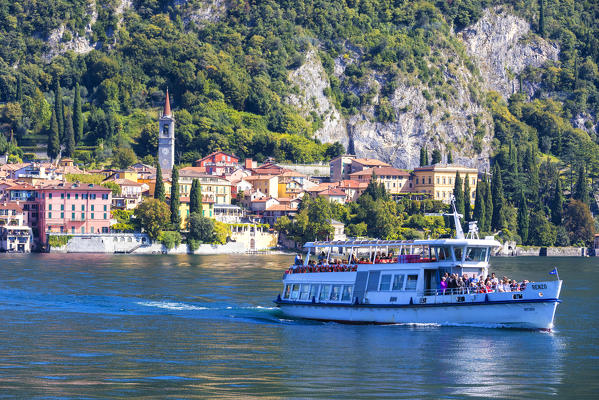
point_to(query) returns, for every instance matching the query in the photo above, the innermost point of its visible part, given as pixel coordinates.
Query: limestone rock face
(312, 80)
(455, 119)
(502, 46)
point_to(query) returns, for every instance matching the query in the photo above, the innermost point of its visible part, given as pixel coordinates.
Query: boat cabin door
(430, 279)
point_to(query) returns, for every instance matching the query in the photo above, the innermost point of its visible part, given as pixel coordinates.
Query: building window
(62, 196)
(76, 196)
(49, 206)
(49, 195)
(105, 207)
(49, 215)
(83, 229)
(82, 207)
(92, 215)
(429, 180)
(438, 180)
(72, 215)
(62, 215)
(72, 207)
(105, 216)
(93, 196)
(68, 196)
(82, 216)
(62, 207)
(417, 181)
(73, 229)
(84, 196)
(92, 207)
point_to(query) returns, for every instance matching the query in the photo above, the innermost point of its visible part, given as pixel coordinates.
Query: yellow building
(394, 180)
(438, 180)
(207, 210)
(214, 187)
(267, 184)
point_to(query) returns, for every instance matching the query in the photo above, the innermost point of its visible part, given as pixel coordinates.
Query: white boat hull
(526, 315)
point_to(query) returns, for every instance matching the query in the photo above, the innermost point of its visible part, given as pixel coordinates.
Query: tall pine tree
(175, 200)
(479, 206)
(523, 218)
(195, 197)
(557, 203)
(458, 193)
(59, 109)
(542, 18)
(436, 157)
(581, 190)
(159, 192)
(488, 205)
(422, 157)
(532, 171)
(498, 221)
(467, 197)
(19, 94)
(53, 148)
(69, 137)
(77, 115)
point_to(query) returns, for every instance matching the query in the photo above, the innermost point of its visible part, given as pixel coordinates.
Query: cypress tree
(449, 157)
(53, 148)
(159, 188)
(195, 197)
(77, 115)
(498, 221)
(426, 157)
(581, 190)
(479, 206)
(19, 95)
(557, 204)
(488, 205)
(175, 200)
(59, 109)
(467, 197)
(422, 157)
(436, 157)
(541, 19)
(458, 193)
(523, 218)
(70, 137)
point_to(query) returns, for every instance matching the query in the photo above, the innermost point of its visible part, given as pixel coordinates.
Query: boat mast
(459, 233)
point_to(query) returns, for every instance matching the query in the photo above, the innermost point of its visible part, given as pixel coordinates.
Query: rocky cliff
(452, 117)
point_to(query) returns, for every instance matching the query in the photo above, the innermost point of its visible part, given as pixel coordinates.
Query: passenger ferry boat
(392, 281)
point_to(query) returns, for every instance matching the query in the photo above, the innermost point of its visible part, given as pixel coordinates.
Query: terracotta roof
(21, 186)
(378, 171)
(125, 182)
(332, 192)
(75, 186)
(352, 184)
(258, 177)
(370, 161)
(11, 205)
(215, 153)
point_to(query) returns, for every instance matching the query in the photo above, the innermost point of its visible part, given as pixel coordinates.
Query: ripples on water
(204, 327)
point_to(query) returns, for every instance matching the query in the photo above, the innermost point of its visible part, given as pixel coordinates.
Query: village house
(217, 188)
(438, 181)
(267, 184)
(131, 194)
(272, 214)
(394, 180)
(15, 235)
(218, 163)
(74, 208)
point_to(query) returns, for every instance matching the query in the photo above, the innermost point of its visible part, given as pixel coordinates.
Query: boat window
(458, 253)
(313, 291)
(304, 292)
(476, 254)
(442, 253)
(385, 283)
(411, 282)
(287, 291)
(324, 292)
(336, 293)
(398, 282)
(295, 291)
(347, 293)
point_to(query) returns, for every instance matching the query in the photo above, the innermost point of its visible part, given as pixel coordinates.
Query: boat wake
(169, 305)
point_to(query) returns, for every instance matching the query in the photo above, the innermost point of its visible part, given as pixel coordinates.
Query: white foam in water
(171, 305)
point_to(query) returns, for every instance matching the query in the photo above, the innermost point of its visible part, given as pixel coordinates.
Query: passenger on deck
(443, 285)
(298, 259)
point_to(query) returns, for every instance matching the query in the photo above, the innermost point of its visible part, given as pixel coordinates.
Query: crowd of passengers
(452, 284)
(380, 258)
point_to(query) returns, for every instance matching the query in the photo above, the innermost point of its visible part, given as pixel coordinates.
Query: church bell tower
(166, 137)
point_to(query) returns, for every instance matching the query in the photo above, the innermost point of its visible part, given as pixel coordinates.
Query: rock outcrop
(502, 46)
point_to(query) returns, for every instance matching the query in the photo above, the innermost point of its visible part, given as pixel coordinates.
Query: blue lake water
(99, 326)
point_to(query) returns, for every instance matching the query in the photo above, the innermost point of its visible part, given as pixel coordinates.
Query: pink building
(74, 208)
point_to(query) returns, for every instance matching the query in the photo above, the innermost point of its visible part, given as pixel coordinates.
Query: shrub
(170, 239)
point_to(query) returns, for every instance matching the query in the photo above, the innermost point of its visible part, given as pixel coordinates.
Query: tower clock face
(164, 151)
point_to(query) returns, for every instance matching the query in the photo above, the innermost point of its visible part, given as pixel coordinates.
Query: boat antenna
(459, 233)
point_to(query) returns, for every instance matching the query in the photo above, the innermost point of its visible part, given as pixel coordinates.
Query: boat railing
(321, 268)
(470, 290)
